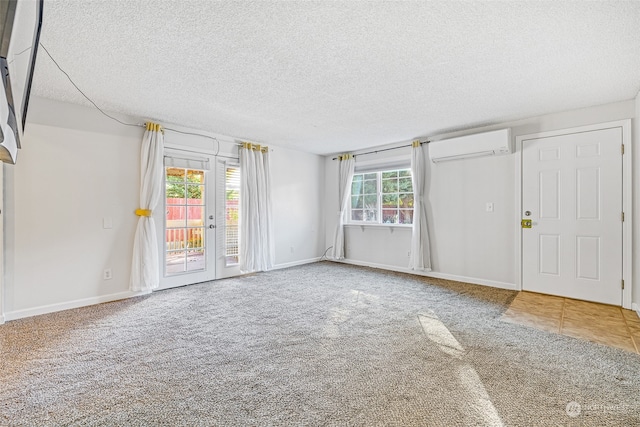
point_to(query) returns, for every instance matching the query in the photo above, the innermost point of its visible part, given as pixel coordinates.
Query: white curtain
(345, 176)
(420, 258)
(145, 266)
(256, 229)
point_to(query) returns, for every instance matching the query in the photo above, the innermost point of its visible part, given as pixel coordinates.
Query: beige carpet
(318, 345)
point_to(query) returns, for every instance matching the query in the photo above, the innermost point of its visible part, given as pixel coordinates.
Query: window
(232, 214)
(383, 197)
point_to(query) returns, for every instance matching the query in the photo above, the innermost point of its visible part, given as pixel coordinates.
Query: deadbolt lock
(526, 223)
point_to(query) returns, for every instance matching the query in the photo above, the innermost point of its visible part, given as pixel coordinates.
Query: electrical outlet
(106, 275)
(489, 207)
(409, 254)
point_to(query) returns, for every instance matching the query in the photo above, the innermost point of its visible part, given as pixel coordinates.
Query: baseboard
(51, 308)
(19, 314)
(473, 280)
(295, 263)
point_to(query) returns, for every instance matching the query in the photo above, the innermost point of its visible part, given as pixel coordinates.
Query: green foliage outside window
(176, 186)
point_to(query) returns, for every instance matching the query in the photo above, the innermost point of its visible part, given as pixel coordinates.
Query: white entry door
(572, 194)
(186, 224)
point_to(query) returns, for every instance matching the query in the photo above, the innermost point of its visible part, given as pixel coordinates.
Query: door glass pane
(195, 176)
(175, 262)
(195, 250)
(184, 221)
(175, 239)
(176, 216)
(195, 216)
(195, 260)
(195, 194)
(175, 189)
(195, 238)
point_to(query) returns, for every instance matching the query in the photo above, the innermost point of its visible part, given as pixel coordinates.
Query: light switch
(107, 222)
(489, 207)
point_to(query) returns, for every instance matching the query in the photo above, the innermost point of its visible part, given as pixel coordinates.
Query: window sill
(390, 227)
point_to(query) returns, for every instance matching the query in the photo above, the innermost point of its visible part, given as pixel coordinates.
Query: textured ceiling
(331, 76)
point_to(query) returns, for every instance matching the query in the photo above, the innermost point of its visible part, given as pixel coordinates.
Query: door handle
(526, 223)
(212, 226)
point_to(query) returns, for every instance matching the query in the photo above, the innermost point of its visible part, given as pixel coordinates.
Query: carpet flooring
(323, 344)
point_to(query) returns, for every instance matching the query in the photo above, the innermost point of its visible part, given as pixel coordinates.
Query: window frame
(379, 171)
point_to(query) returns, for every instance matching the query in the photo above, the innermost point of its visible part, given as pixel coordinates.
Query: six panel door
(572, 193)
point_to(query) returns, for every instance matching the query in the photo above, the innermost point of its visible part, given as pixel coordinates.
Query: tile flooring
(599, 323)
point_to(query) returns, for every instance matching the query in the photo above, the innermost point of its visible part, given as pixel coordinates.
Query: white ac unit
(492, 143)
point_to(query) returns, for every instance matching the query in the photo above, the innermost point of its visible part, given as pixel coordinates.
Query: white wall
(467, 242)
(63, 185)
(77, 167)
(298, 187)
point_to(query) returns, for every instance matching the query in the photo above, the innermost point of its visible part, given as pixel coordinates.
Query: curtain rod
(188, 150)
(385, 149)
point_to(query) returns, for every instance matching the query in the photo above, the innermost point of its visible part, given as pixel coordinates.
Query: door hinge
(622, 216)
(622, 149)
(622, 283)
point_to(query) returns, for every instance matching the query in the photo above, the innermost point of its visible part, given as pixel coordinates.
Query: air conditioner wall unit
(494, 143)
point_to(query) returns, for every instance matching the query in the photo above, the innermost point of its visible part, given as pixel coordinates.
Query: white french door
(186, 224)
(228, 216)
(572, 196)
